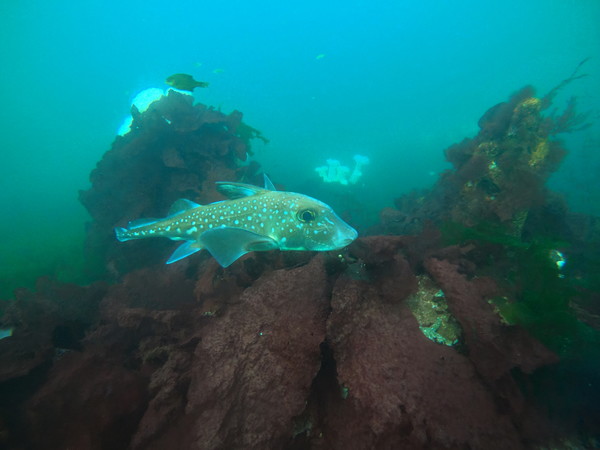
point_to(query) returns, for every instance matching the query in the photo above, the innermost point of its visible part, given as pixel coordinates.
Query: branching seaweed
(549, 97)
(569, 121)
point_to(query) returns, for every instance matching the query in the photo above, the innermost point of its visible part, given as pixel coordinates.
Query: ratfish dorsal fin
(238, 190)
(269, 184)
(182, 205)
(228, 244)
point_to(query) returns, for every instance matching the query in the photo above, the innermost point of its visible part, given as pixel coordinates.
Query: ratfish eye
(307, 215)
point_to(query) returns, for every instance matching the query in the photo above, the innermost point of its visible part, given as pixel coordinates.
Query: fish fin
(238, 190)
(141, 223)
(228, 244)
(182, 205)
(184, 250)
(269, 184)
(121, 234)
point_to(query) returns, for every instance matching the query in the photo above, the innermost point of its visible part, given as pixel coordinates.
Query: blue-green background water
(396, 81)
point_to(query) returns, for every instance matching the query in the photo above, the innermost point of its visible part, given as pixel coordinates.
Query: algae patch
(430, 308)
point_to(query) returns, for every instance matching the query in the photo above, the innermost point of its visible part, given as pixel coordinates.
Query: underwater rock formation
(195, 356)
(294, 350)
(48, 325)
(499, 176)
(504, 229)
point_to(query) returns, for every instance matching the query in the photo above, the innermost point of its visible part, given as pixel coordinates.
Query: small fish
(218, 71)
(184, 82)
(253, 219)
(320, 56)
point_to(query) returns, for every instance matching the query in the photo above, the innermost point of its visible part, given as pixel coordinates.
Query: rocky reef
(407, 339)
(499, 176)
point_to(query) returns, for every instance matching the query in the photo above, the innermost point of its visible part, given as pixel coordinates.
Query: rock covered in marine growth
(307, 353)
(498, 176)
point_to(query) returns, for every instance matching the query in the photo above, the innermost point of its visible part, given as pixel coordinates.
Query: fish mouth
(345, 239)
(346, 242)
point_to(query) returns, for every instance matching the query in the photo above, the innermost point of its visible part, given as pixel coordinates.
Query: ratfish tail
(122, 234)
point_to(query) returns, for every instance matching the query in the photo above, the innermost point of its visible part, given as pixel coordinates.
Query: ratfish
(253, 219)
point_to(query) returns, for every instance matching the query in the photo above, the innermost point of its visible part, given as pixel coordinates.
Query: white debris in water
(334, 172)
(145, 98)
(142, 102)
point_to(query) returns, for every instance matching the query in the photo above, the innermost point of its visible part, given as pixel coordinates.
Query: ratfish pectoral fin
(228, 244)
(183, 251)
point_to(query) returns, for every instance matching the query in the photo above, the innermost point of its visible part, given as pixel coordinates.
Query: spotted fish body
(254, 219)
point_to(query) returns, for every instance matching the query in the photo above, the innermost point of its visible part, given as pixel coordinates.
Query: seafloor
(467, 318)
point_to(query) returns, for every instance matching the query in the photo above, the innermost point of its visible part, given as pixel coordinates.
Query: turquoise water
(395, 81)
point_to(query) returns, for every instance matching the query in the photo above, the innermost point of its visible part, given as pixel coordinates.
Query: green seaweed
(456, 233)
(539, 295)
(247, 133)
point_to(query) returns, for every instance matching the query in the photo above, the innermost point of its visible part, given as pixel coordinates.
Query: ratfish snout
(345, 237)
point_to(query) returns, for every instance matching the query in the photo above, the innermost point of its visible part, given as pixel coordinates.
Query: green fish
(253, 219)
(184, 82)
